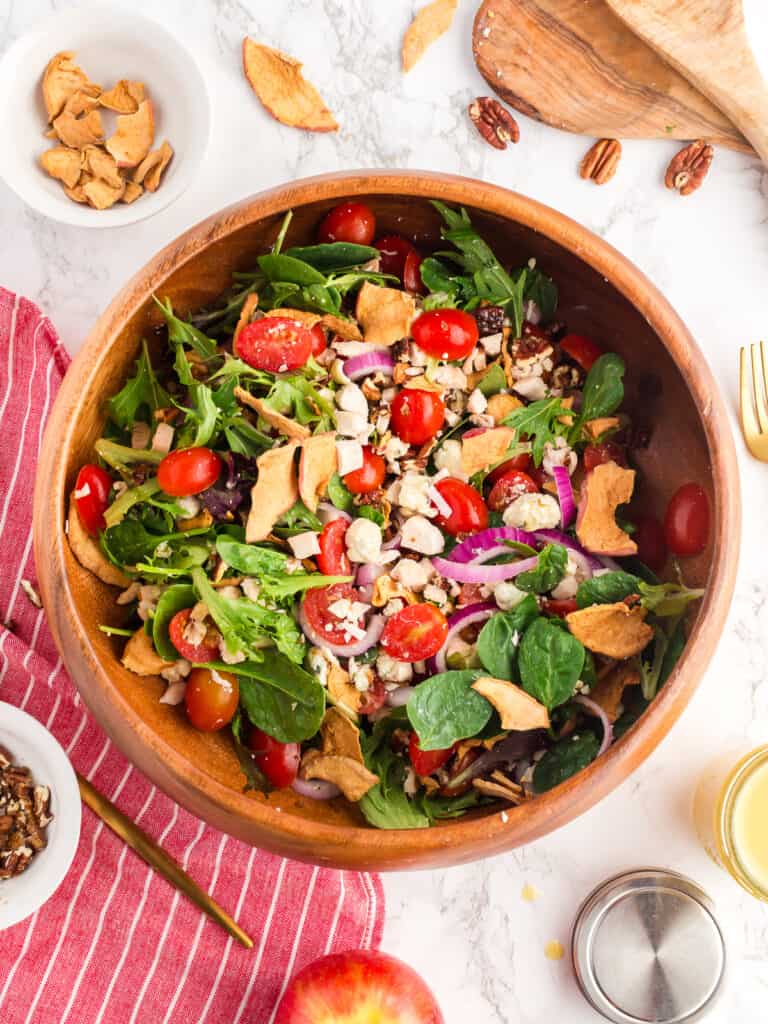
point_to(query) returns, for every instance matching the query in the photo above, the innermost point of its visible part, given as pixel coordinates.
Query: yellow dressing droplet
(529, 893)
(554, 950)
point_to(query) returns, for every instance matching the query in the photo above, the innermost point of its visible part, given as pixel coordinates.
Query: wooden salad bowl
(669, 388)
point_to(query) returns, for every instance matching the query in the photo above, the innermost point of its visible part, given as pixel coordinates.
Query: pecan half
(688, 169)
(493, 121)
(601, 161)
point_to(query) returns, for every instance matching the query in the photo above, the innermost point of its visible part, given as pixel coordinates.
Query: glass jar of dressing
(731, 816)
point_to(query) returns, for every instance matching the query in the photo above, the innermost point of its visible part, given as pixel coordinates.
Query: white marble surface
(468, 930)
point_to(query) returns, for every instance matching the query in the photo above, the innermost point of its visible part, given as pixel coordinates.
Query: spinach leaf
(637, 568)
(330, 256)
(387, 805)
(565, 759)
(542, 290)
(549, 571)
(499, 639)
(663, 599)
(143, 391)
(441, 807)
(550, 662)
(249, 558)
(660, 656)
(445, 709)
(338, 494)
(171, 601)
(254, 779)
(603, 389)
(295, 583)
(280, 698)
(540, 421)
(492, 381)
(372, 513)
(607, 589)
(279, 267)
(675, 647)
(634, 705)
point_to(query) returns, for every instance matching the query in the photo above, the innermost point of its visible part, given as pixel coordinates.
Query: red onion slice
(354, 647)
(480, 542)
(326, 512)
(466, 616)
(558, 537)
(469, 573)
(564, 495)
(378, 361)
(315, 789)
(393, 543)
(397, 698)
(594, 709)
(367, 574)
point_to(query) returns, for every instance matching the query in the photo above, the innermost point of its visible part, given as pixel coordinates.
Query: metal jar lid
(646, 947)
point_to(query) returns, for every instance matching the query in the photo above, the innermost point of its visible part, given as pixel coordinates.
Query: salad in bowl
(372, 514)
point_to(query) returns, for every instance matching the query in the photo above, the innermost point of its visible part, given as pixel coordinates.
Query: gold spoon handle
(158, 859)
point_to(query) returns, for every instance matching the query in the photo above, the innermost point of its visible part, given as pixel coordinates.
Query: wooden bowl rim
(456, 840)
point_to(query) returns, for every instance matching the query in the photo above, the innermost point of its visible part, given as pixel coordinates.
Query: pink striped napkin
(116, 944)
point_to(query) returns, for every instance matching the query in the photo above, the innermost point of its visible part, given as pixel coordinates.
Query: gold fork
(753, 399)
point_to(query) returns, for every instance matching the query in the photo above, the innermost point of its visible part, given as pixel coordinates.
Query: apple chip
(62, 78)
(346, 329)
(62, 163)
(125, 97)
(249, 307)
(132, 192)
(285, 93)
(615, 630)
(317, 465)
(482, 450)
(82, 102)
(141, 657)
(134, 136)
(517, 709)
(79, 132)
(284, 425)
(76, 193)
(430, 23)
(385, 314)
(602, 491)
(301, 316)
(274, 492)
(343, 693)
(87, 551)
(101, 195)
(500, 406)
(594, 429)
(608, 692)
(353, 779)
(151, 168)
(103, 166)
(340, 735)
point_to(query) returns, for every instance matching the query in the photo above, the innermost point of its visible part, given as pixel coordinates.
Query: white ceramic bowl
(26, 742)
(109, 43)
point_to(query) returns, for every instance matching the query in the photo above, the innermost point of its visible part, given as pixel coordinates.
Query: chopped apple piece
(62, 163)
(285, 93)
(134, 136)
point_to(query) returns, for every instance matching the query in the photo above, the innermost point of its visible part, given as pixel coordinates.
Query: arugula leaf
(182, 333)
(141, 391)
(202, 420)
(445, 709)
(133, 496)
(298, 519)
(171, 601)
(540, 422)
(603, 388)
(120, 456)
(297, 397)
(330, 256)
(499, 639)
(667, 599)
(280, 698)
(549, 571)
(550, 661)
(277, 245)
(338, 494)
(564, 759)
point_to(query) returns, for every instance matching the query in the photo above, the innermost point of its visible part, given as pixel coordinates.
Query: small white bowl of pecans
(105, 117)
(40, 814)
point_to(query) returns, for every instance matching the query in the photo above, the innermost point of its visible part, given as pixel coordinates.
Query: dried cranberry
(490, 320)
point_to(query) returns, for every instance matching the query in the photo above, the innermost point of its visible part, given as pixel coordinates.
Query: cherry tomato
(394, 251)
(348, 222)
(211, 698)
(468, 510)
(426, 762)
(417, 415)
(509, 487)
(278, 761)
(608, 451)
(412, 273)
(651, 544)
(333, 560)
(92, 489)
(374, 697)
(188, 471)
(318, 615)
(686, 524)
(415, 633)
(522, 461)
(319, 340)
(275, 343)
(370, 475)
(445, 333)
(559, 608)
(581, 349)
(206, 650)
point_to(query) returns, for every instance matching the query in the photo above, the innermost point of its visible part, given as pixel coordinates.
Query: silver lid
(646, 947)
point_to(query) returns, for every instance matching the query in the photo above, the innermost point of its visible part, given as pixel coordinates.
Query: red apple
(358, 987)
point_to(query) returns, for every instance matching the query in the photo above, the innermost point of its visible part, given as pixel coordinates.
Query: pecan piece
(688, 169)
(493, 122)
(601, 161)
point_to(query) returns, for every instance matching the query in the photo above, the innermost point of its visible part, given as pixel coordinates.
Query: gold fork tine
(758, 388)
(746, 408)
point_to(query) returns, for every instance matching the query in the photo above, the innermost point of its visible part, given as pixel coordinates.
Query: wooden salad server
(706, 41)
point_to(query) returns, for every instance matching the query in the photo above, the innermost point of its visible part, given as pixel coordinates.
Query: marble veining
(468, 929)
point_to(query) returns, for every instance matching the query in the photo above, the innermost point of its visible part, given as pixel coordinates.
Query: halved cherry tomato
(559, 608)
(188, 471)
(212, 698)
(92, 489)
(651, 544)
(608, 451)
(319, 616)
(415, 633)
(509, 487)
(319, 340)
(426, 762)
(445, 333)
(522, 461)
(581, 349)
(370, 475)
(686, 524)
(468, 510)
(374, 697)
(275, 343)
(206, 650)
(278, 761)
(412, 273)
(348, 222)
(417, 415)
(333, 560)
(394, 251)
